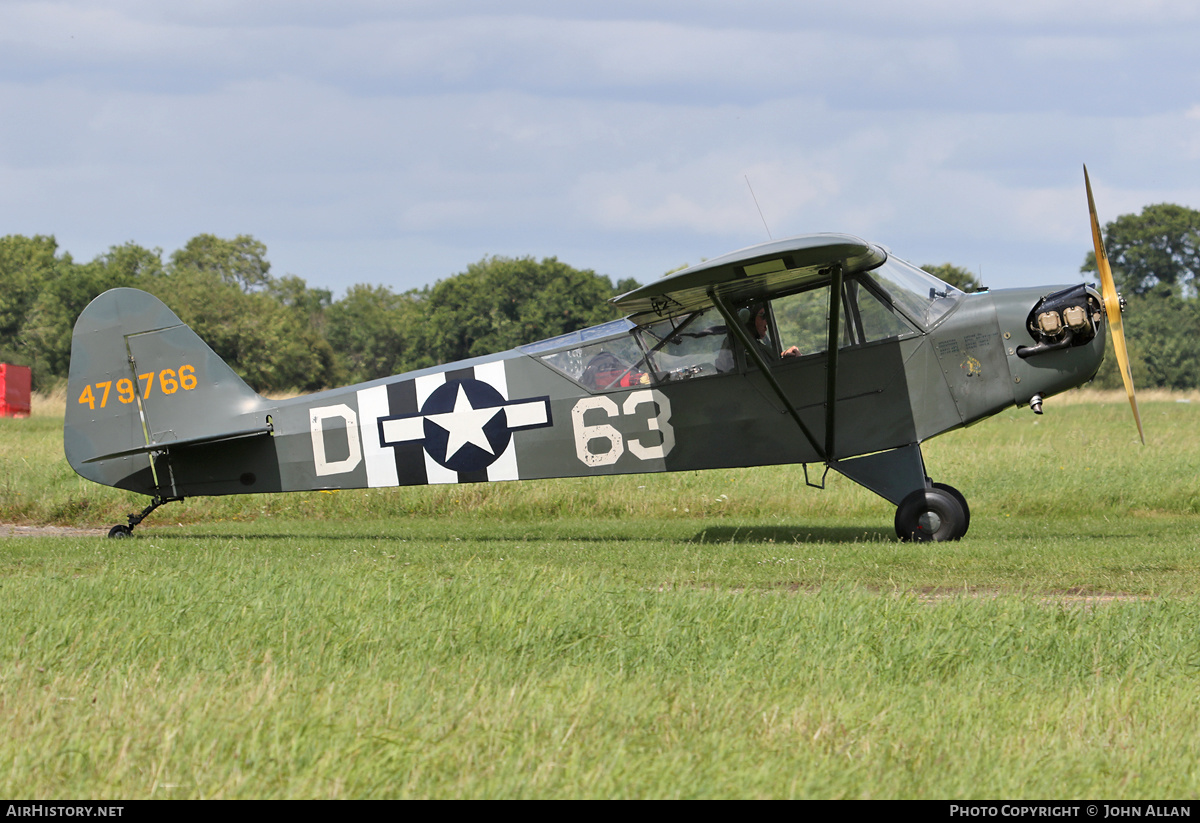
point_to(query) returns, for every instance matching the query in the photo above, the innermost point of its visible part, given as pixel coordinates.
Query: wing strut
(831, 359)
(744, 338)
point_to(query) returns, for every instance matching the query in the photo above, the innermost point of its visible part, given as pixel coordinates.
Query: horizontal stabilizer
(171, 444)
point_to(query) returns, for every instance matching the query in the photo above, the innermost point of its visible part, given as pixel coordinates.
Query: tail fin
(143, 385)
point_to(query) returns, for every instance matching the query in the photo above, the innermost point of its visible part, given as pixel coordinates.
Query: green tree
(288, 352)
(1158, 249)
(268, 330)
(47, 331)
(308, 308)
(63, 290)
(132, 263)
(1161, 332)
(263, 340)
(503, 302)
(374, 332)
(956, 276)
(298, 296)
(625, 284)
(241, 262)
(26, 263)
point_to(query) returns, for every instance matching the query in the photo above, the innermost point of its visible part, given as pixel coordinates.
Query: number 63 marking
(586, 435)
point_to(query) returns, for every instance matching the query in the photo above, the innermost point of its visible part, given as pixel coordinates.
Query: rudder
(141, 383)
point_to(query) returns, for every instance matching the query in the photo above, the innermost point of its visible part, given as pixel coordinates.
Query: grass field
(713, 634)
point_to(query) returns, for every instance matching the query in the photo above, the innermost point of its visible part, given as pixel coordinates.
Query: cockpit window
(697, 345)
(678, 348)
(801, 321)
(868, 318)
(612, 363)
(918, 294)
(872, 308)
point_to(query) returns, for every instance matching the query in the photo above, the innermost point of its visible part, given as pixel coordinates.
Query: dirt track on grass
(8, 530)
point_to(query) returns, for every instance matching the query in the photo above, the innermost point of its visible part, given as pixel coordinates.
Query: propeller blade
(1112, 306)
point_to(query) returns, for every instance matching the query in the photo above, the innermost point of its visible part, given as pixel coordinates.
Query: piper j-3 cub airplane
(816, 349)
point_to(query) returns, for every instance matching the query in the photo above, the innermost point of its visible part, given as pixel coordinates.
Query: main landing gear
(939, 513)
(120, 531)
(925, 510)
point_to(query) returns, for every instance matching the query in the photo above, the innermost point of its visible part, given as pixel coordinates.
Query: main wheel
(962, 501)
(930, 514)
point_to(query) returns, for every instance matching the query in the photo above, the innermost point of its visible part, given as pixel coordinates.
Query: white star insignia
(464, 424)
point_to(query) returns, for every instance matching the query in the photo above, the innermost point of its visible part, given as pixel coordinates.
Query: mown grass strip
(717, 634)
(239, 673)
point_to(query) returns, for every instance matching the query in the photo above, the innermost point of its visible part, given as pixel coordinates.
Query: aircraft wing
(754, 272)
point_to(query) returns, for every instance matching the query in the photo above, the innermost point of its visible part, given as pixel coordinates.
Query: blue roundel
(465, 414)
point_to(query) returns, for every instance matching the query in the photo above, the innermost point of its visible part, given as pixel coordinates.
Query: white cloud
(373, 139)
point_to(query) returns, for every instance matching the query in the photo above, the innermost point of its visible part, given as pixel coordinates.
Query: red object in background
(14, 390)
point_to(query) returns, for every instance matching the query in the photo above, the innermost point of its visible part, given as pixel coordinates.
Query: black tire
(117, 532)
(930, 514)
(962, 501)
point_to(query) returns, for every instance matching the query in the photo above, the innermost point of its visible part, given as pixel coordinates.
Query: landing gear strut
(938, 513)
(119, 530)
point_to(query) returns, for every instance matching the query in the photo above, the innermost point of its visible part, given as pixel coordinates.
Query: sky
(396, 143)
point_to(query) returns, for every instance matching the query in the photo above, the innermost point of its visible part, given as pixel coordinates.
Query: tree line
(282, 335)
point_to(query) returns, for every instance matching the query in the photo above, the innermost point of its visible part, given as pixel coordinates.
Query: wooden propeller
(1112, 306)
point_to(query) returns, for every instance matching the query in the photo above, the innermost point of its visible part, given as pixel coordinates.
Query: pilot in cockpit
(605, 371)
(755, 318)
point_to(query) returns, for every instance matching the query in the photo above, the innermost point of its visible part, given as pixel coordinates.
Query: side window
(802, 321)
(695, 346)
(678, 348)
(869, 318)
(609, 364)
(798, 324)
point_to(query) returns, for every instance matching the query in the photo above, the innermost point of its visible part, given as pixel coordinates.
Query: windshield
(916, 293)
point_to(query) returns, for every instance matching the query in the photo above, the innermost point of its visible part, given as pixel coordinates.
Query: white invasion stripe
(493, 374)
(426, 385)
(381, 459)
(505, 466)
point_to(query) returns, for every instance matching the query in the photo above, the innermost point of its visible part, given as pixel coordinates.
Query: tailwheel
(932, 514)
(121, 531)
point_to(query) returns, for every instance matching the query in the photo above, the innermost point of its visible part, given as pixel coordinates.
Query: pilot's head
(755, 318)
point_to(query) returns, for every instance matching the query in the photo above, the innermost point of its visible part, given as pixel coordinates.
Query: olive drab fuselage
(888, 357)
